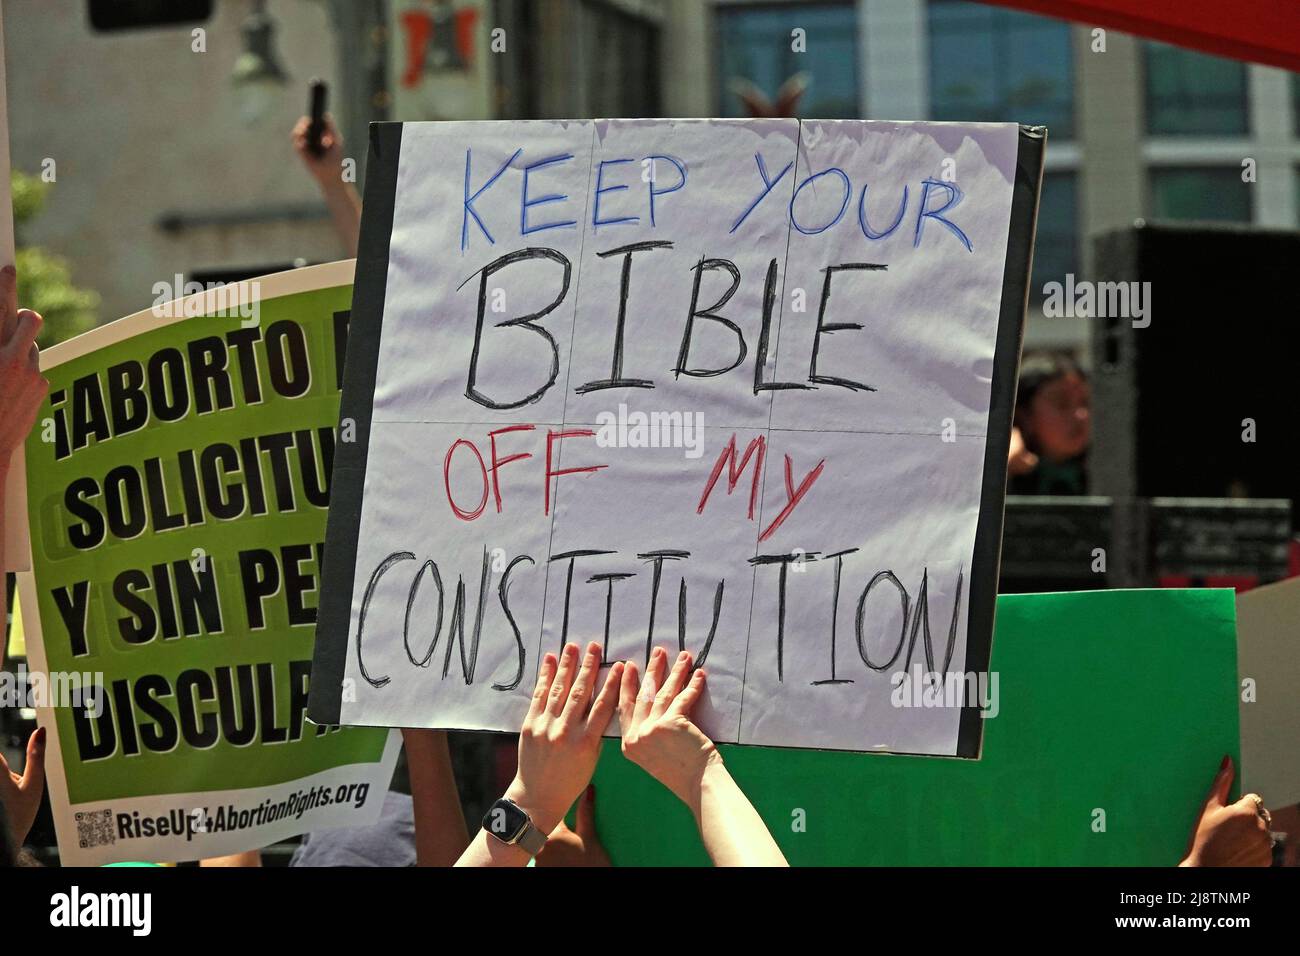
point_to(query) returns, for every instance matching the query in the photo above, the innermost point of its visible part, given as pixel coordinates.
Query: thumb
(1218, 795)
(586, 817)
(34, 772)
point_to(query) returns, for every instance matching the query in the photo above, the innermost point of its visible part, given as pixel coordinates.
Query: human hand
(1229, 834)
(559, 742)
(658, 734)
(21, 793)
(580, 847)
(22, 387)
(1020, 460)
(327, 168)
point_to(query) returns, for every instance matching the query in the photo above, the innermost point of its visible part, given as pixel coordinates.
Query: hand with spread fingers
(660, 736)
(559, 744)
(1230, 834)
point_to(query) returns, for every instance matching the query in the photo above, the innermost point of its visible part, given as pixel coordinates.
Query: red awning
(1260, 31)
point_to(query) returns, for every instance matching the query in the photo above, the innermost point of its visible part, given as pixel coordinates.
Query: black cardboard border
(347, 482)
(987, 557)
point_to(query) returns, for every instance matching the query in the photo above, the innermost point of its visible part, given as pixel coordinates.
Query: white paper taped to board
(726, 385)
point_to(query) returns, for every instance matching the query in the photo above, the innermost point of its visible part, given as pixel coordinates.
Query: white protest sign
(741, 387)
(1268, 664)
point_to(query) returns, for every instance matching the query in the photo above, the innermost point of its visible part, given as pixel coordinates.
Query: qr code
(95, 829)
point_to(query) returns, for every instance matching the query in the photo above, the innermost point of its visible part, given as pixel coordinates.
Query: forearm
(440, 832)
(345, 210)
(487, 850)
(733, 832)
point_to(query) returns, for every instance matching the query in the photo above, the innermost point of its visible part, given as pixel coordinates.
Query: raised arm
(327, 169)
(22, 389)
(659, 736)
(440, 832)
(559, 745)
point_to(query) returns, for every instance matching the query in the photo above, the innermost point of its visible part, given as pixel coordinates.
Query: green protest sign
(177, 488)
(1108, 718)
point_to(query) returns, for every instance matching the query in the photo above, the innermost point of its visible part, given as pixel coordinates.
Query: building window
(1213, 194)
(1191, 93)
(754, 44)
(994, 65)
(1056, 242)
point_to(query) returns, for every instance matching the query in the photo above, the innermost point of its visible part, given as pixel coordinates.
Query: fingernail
(683, 655)
(1227, 762)
(9, 270)
(591, 791)
(40, 739)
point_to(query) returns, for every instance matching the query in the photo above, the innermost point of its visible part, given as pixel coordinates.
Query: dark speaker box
(1219, 351)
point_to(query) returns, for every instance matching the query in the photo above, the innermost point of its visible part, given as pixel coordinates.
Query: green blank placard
(1120, 701)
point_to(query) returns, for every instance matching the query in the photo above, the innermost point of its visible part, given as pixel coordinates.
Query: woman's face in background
(1058, 425)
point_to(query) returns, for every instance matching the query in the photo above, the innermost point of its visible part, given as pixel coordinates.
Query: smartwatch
(507, 822)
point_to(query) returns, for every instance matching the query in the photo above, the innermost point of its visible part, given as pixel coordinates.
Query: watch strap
(531, 839)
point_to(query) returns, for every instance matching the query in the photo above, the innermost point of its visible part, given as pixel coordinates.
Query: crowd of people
(560, 738)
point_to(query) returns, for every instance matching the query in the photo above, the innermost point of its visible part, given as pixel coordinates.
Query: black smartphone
(316, 110)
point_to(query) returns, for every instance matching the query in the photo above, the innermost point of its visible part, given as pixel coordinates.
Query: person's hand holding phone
(325, 166)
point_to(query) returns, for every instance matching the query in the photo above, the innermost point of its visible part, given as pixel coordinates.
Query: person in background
(327, 169)
(560, 742)
(1052, 428)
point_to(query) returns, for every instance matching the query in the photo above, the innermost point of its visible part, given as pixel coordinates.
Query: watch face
(505, 821)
